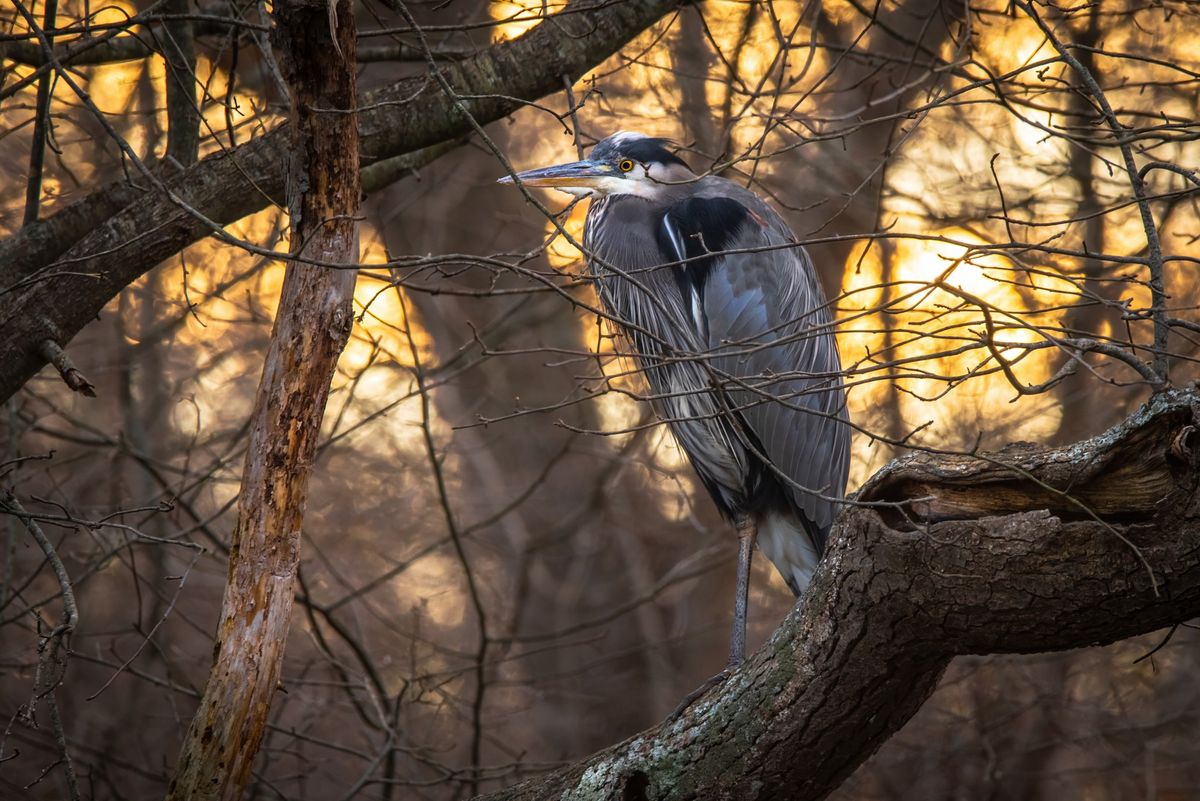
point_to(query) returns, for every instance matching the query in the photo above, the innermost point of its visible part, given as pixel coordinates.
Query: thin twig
(52, 661)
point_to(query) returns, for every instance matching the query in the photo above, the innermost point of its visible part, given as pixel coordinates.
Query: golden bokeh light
(903, 342)
(518, 16)
(500, 535)
(562, 254)
(917, 350)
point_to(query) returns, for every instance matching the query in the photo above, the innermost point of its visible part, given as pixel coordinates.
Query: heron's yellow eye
(626, 165)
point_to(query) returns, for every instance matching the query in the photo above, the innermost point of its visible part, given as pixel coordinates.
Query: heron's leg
(746, 531)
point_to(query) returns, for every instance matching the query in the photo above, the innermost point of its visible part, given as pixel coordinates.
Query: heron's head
(623, 164)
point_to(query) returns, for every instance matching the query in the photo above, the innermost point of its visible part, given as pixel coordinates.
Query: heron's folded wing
(769, 329)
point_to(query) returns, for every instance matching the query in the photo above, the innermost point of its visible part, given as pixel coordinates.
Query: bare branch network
(326, 475)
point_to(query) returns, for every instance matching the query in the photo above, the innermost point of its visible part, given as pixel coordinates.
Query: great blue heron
(728, 322)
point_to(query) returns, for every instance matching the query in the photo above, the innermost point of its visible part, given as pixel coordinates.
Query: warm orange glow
(1014, 44)
(947, 156)
(517, 16)
(501, 539)
(960, 394)
(562, 254)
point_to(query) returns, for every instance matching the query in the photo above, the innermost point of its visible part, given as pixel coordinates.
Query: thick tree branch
(92, 253)
(83, 53)
(1024, 550)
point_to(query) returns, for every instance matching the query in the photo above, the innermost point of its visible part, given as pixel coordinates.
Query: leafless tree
(472, 557)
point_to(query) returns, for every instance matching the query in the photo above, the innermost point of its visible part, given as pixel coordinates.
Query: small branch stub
(52, 352)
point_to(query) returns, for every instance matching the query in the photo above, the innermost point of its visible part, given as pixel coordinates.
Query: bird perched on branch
(728, 322)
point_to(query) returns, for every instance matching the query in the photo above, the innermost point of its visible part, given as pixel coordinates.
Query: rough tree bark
(1025, 550)
(311, 327)
(56, 275)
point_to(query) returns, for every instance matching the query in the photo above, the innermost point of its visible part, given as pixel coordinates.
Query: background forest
(507, 564)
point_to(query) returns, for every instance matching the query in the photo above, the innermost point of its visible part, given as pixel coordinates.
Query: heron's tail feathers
(784, 539)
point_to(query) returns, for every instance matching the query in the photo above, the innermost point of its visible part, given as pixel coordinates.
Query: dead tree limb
(1025, 550)
(311, 327)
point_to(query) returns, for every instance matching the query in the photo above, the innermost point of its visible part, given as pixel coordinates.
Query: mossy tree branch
(1025, 550)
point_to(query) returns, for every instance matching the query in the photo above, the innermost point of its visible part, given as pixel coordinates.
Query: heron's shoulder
(713, 186)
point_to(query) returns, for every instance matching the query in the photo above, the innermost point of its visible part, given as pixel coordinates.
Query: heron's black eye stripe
(648, 151)
(626, 165)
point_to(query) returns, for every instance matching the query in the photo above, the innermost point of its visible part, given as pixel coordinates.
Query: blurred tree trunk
(1086, 406)
(691, 59)
(844, 177)
(311, 327)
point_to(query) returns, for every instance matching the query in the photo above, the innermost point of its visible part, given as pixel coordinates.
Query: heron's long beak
(579, 174)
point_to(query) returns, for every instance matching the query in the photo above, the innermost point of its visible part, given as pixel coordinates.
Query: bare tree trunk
(1087, 405)
(691, 58)
(311, 327)
(183, 115)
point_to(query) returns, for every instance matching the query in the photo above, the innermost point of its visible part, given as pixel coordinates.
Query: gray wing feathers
(772, 332)
(647, 296)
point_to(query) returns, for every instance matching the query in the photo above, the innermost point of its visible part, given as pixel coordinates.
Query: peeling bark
(311, 328)
(1024, 550)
